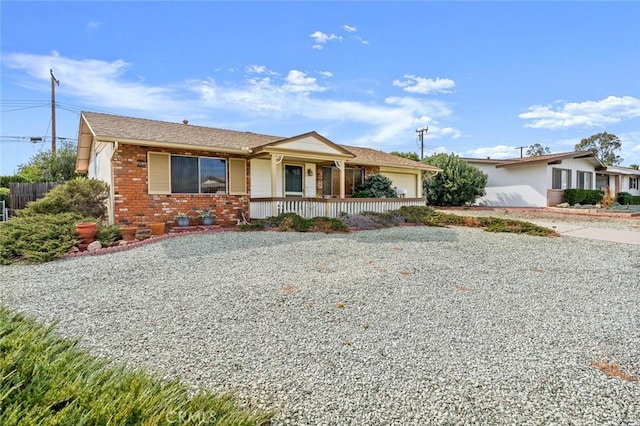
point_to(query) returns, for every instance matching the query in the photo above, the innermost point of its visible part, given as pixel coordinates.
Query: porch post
(275, 160)
(419, 184)
(342, 191)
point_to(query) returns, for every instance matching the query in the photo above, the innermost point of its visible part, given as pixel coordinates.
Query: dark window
(193, 175)
(561, 179)
(353, 178)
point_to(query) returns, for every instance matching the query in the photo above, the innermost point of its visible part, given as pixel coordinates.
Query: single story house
(156, 169)
(537, 181)
(619, 179)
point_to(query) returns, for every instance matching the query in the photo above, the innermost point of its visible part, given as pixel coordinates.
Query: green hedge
(583, 196)
(627, 199)
(5, 195)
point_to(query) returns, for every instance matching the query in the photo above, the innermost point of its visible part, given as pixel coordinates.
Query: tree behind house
(604, 146)
(45, 167)
(537, 150)
(408, 155)
(458, 183)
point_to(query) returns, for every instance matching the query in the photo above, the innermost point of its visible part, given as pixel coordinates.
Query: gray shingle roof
(118, 127)
(115, 127)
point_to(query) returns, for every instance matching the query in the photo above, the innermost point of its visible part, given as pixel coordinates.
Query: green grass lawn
(47, 380)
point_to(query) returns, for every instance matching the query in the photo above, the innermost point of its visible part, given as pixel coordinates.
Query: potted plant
(182, 219)
(157, 228)
(128, 232)
(87, 231)
(206, 217)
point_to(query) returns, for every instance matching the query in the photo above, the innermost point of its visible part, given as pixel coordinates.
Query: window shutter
(159, 169)
(237, 176)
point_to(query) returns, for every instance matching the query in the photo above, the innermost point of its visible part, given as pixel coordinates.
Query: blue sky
(485, 77)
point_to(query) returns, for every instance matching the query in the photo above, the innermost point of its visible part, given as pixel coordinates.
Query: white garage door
(405, 181)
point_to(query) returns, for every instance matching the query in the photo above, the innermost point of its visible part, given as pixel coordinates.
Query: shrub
(288, 222)
(6, 180)
(328, 225)
(628, 199)
(107, 234)
(495, 224)
(5, 195)
(85, 197)
(38, 238)
(47, 380)
(582, 196)
(360, 221)
(376, 186)
(458, 183)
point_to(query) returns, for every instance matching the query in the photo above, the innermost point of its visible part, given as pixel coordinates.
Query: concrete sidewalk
(593, 233)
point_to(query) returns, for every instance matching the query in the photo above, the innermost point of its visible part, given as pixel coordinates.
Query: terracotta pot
(87, 231)
(157, 228)
(128, 233)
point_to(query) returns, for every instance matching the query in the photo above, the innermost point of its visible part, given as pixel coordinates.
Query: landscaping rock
(563, 205)
(94, 246)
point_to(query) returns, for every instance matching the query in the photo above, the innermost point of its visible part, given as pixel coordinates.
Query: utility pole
(421, 133)
(521, 148)
(53, 112)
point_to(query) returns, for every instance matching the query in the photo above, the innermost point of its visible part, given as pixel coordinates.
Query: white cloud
(415, 84)
(287, 99)
(321, 39)
(96, 82)
(299, 82)
(325, 73)
(497, 152)
(349, 28)
(630, 150)
(612, 109)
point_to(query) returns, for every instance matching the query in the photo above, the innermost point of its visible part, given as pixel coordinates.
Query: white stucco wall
(260, 178)
(526, 185)
(100, 168)
(575, 165)
(309, 144)
(521, 186)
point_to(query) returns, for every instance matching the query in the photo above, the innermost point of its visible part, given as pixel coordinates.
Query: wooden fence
(22, 193)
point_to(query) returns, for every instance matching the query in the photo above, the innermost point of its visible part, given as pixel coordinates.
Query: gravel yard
(408, 325)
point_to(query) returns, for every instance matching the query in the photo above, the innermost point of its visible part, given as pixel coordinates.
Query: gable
(309, 144)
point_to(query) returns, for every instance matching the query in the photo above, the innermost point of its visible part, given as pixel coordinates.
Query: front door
(293, 180)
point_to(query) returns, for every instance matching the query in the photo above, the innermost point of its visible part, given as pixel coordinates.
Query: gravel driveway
(410, 325)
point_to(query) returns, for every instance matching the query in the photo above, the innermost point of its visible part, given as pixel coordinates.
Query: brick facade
(134, 206)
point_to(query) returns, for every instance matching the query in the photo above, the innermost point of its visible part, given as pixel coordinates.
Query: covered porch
(311, 176)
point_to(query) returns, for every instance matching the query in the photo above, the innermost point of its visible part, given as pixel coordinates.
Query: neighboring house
(619, 179)
(156, 169)
(537, 181)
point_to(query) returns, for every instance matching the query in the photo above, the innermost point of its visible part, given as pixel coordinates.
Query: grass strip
(47, 380)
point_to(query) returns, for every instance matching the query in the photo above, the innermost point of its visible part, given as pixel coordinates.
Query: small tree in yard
(457, 184)
(376, 186)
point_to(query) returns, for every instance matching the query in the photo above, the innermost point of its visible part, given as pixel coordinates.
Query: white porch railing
(259, 208)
